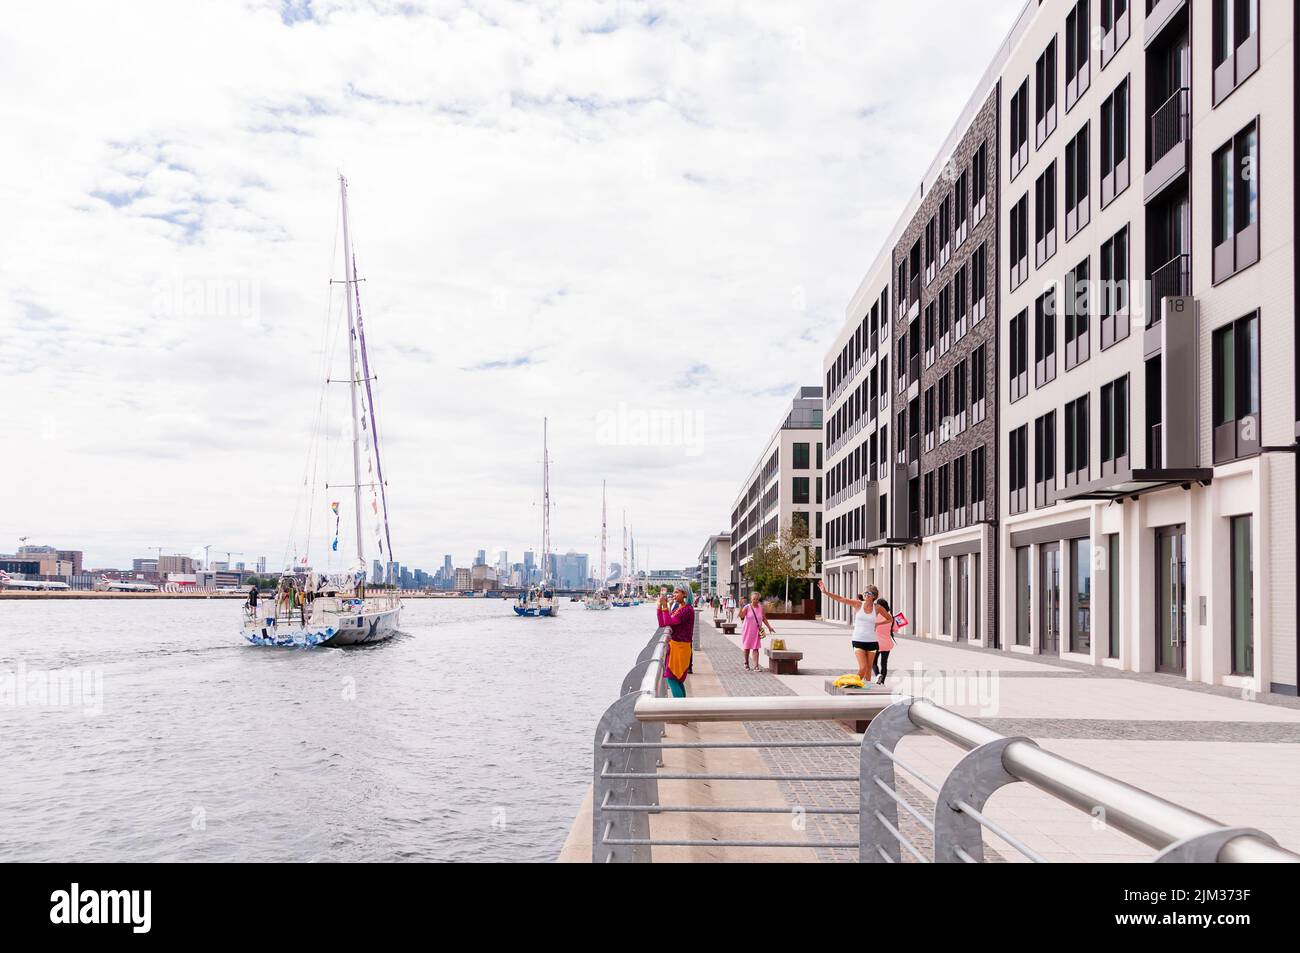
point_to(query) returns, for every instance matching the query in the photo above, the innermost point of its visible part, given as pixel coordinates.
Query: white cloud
(559, 208)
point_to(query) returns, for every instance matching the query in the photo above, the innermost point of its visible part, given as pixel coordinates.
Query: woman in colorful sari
(679, 617)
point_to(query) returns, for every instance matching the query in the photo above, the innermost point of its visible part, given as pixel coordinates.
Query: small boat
(540, 600)
(536, 602)
(334, 609)
(598, 600)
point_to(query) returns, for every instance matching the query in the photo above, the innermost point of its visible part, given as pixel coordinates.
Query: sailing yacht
(335, 609)
(599, 600)
(540, 600)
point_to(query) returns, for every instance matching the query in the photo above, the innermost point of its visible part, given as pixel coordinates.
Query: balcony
(1160, 15)
(1170, 136)
(914, 370)
(1173, 279)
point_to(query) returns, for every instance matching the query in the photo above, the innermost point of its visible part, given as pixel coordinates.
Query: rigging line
(313, 454)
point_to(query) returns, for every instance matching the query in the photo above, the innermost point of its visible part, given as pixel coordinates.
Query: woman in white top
(865, 616)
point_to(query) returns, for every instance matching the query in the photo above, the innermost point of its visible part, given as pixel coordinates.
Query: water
(468, 737)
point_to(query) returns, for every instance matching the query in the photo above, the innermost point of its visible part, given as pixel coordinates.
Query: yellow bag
(849, 681)
(778, 645)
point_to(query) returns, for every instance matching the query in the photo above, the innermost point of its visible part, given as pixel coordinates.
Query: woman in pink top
(885, 637)
(751, 634)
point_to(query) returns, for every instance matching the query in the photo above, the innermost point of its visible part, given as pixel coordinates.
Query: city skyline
(204, 245)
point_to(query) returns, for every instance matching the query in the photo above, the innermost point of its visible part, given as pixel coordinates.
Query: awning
(1132, 483)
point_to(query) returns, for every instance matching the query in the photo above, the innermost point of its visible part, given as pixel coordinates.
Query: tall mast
(546, 502)
(603, 573)
(623, 572)
(353, 371)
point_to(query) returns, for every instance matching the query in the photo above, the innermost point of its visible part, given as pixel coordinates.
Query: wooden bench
(857, 725)
(783, 661)
(717, 621)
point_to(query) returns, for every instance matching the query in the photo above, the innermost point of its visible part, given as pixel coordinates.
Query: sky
(642, 221)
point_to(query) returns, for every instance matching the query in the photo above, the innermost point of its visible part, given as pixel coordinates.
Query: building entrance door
(1171, 599)
(1049, 606)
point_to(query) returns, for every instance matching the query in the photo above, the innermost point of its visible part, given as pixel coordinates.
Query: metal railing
(627, 771)
(1169, 124)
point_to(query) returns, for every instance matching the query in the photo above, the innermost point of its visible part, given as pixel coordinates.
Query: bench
(729, 628)
(783, 661)
(856, 725)
(717, 621)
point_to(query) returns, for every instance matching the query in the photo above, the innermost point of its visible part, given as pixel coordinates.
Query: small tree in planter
(779, 560)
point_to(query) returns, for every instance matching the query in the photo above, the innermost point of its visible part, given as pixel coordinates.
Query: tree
(781, 560)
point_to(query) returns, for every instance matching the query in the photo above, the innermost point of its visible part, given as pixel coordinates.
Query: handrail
(629, 740)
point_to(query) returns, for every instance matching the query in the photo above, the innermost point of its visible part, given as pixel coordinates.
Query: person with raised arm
(680, 618)
(866, 615)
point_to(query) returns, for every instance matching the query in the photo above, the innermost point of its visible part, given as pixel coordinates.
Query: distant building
(715, 566)
(183, 565)
(144, 565)
(462, 579)
(261, 565)
(481, 558)
(783, 489)
(483, 577)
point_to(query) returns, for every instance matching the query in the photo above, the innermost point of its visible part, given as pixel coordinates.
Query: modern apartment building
(1140, 243)
(715, 567)
(915, 516)
(784, 488)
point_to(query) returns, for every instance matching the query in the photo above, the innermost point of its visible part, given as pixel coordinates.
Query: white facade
(1132, 564)
(715, 566)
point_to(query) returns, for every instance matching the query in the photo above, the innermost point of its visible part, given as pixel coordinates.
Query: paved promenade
(1206, 748)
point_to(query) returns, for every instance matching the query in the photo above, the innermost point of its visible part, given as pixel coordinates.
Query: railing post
(617, 725)
(972, 780)
(1204, 848)
(885, 730)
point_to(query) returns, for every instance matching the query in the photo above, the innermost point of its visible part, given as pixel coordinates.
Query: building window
(1080, 595)
(1235, 397)
(960, 209)
(1077, 207)
(1113, 610)
(945, 320)
(1114, 144)
(1045, 216)
(1114, 28)
(1045, 338)
(977, 484)
(1236, 44)
(1045, 460)
(979, 277)
(1023, 595)
(1076, 315)
(1078, 44)
(945, 409)
(1019, 362)
(1113, 291)
(1236, 204)
(801, 457)
(979, 183)
(1243, 598)
(1019, 130)
(1045, 94)
(1019, 246)
(1019, 470)
(1114, 424)
(800, 493)
(1076, 441)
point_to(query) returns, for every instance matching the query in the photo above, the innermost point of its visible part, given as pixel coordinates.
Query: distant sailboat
(334, 609)
(599, 600)
(540, 600)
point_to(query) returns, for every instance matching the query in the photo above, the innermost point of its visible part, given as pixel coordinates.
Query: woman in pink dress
(751, 634)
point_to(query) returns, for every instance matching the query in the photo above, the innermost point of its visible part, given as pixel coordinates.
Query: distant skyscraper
(481, 558)
(377, 572)
(261, 565)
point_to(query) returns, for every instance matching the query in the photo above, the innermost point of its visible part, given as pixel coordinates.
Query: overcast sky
(611, 214)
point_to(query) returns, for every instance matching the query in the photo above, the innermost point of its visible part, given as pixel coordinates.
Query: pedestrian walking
(751, 633)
